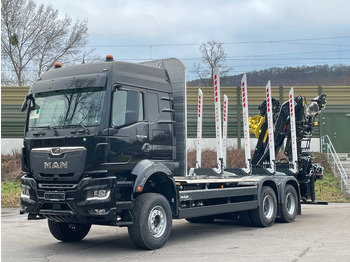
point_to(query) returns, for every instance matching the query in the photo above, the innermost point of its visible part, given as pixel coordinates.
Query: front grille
(44, 175)
(58, 186)
(57, 164)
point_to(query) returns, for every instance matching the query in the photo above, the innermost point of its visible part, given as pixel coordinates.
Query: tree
(34, 37)
(213, 55)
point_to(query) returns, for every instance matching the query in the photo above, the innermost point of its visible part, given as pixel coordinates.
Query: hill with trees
(319, 75)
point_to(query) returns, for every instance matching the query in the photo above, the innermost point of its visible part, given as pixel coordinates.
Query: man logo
(55, 165)
(56, 151)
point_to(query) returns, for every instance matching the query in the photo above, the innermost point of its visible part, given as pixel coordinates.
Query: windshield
(80, 106)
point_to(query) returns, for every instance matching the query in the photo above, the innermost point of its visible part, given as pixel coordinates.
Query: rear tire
(152, 221)
(290, 206)
(68, 232)
(265, 214)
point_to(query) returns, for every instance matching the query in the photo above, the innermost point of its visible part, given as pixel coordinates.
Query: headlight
(100, 194)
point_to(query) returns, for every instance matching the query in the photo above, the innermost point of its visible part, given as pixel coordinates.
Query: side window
(119, 108)
(127, 107)
(153, 108)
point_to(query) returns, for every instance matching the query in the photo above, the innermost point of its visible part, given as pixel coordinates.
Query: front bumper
(63, 202)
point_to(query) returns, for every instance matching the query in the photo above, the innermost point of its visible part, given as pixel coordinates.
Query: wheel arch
(155, 177)
(271, 183)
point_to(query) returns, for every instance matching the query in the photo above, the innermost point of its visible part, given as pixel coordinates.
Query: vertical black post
(320, 120)
(239, 117)
(312, 189)
(281, 102)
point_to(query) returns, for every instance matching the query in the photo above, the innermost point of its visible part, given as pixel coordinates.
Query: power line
(287, 41)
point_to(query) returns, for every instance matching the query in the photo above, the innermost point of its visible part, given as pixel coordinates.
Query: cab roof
(115, 72)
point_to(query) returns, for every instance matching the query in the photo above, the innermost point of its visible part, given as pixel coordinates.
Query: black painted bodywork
(103, 156)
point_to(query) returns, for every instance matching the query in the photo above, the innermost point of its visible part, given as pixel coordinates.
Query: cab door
(129, 130)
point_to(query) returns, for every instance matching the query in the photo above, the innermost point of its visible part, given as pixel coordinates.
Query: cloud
(203, 19)
(152, 22)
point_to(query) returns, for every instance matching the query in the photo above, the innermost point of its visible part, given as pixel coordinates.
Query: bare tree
(34, 37)
(213, 55)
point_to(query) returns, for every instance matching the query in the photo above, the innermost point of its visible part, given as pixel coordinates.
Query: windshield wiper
(48, 127)
(81, 125)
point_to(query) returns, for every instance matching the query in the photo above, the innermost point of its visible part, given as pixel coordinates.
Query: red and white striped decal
(199, 129)
(270, 127)
(293, 130)
(217, 115)
(244, 92)
(224, 130)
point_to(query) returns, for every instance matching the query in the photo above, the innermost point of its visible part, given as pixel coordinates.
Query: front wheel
(68, 232)
(152, 221)
(265, 214)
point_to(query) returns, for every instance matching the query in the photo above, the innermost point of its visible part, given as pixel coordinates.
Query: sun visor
(70, 82)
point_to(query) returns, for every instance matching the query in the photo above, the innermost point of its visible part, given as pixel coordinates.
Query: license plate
(55, 196)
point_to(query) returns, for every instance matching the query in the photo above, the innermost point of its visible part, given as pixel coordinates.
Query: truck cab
(91, 132)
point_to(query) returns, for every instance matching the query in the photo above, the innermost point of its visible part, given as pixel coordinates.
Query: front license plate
(55, 196)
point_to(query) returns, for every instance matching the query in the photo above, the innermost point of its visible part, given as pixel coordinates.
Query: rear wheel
(265, 214)
(68, 232)
(290, 206)
(152, 221)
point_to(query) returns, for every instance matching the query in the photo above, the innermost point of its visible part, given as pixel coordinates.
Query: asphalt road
(321, 233)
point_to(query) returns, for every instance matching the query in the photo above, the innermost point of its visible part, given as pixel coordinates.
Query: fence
(12, 120)
(332, 157)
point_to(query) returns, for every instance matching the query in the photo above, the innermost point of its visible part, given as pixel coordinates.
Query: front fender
(144, 169)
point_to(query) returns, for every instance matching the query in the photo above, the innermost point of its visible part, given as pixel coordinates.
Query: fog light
(25, 192)
(100, 194)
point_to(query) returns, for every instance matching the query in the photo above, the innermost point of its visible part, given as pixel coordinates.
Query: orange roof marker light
(109, 58)
(58, 65)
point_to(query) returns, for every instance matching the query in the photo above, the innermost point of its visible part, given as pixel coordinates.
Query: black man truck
(105, 144)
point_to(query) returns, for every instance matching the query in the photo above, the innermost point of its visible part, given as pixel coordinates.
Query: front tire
(152, 221)
(290, 206)
(68, 232)
(265, 214)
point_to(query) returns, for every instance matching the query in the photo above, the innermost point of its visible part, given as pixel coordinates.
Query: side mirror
(26, 102)
(24, 105)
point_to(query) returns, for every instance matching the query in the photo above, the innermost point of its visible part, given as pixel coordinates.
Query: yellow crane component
(255, 124)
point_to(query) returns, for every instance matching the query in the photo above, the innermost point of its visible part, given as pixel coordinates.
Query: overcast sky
(256, 34)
